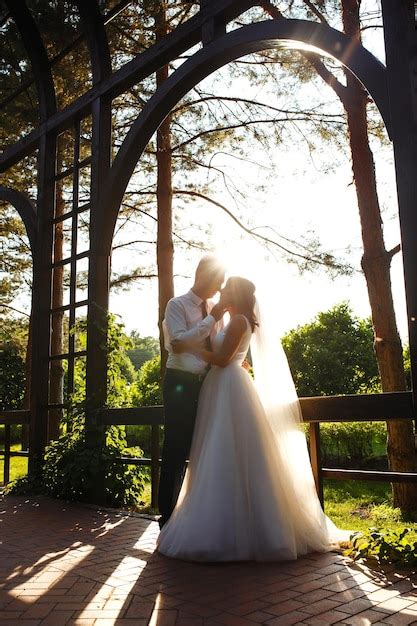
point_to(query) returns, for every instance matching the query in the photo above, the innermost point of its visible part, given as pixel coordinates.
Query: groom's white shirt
(184, 320)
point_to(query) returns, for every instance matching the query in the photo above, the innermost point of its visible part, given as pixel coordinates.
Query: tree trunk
(376, 262)
(164, 246)
(56, 384)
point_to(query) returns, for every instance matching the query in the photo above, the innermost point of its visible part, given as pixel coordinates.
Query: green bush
(385, 546)
(73, 471)
(148, 383)
(352, 442)
(12, 377)
(147, 392)
(333, 354)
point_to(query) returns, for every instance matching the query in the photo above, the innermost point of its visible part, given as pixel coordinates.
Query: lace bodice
(244, 343)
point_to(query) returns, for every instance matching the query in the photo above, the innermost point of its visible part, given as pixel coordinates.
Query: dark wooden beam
(173, 45)
(358, 408)
(98, 273)
(114, 12)
(147, 415)
(37, 54)
(41, 302)
(26, 209)
(96, 36)
(14, 417)
(400, 32)
(386, 477)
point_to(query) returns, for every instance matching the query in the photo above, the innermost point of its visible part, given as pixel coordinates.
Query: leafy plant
(75, 471)
(333, 354)
(385, 546)
(148, 383)
(355, 442)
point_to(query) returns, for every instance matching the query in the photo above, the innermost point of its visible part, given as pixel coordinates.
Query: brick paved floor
(63, 563)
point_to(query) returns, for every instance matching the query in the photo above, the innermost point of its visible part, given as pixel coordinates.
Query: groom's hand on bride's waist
(178, 346)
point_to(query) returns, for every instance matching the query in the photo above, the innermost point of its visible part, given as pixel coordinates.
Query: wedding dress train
(239, 500)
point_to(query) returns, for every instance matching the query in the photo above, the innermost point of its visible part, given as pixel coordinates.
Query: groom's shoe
(161, 522)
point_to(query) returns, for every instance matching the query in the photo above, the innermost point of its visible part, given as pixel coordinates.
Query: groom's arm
(177, 327)
(230, 345)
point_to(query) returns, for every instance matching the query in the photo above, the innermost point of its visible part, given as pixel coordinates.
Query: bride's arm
(230, 345)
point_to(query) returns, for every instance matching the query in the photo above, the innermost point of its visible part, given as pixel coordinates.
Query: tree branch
(316, 12)
(328, 263)
(12, 308)
(318, 65)
(391, 253)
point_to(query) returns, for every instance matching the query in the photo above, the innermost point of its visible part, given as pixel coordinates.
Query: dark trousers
(180, 392)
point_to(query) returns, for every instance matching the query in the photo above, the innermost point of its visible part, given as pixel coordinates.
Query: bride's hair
(243, 294)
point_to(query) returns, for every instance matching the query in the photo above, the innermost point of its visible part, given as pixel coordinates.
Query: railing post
(154, 465)
(6, 457)
(315, 457)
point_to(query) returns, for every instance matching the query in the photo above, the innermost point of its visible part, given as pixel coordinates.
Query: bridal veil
(278, 395)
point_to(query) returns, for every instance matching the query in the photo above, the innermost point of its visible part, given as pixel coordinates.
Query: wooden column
(98, 274)
(400, 31)
(41, 301)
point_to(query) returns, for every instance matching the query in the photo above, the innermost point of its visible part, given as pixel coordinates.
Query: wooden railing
(8, 418)
(316, 410)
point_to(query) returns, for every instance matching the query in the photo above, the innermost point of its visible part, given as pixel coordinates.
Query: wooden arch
(26, 209)
(294, 34)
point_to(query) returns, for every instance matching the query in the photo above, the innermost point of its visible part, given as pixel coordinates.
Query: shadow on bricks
(65, 563)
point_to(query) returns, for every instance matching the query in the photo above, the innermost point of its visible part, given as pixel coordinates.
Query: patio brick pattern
(66, 563)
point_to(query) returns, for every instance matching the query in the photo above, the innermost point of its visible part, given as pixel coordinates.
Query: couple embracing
(248, 492)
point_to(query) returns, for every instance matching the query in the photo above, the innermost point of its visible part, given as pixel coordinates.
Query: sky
(306, 194)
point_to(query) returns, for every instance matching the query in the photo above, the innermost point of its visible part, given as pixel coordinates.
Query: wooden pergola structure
(393, 89)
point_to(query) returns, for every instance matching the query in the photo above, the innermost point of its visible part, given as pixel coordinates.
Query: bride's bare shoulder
(238, 323)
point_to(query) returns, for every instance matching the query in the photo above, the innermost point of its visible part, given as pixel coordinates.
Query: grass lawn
(358, 505)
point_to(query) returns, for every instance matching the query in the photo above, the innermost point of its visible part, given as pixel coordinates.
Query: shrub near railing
(385, 546)
(74, 471)
(356, 442)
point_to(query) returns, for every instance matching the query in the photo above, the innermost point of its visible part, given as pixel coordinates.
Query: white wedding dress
(236, 501)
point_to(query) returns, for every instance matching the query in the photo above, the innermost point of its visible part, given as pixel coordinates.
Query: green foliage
(147, 392)
(15, 330)
(357, 505)
(13, 342)
(385, 546)
(121, 373)
(355, 442)
(75, 471)
(12, 377)
(333, 354)
(144, 349)
(407, 365)
(148, 383)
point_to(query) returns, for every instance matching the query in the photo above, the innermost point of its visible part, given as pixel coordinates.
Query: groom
(189, 317)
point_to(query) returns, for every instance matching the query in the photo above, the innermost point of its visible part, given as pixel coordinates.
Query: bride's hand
(178, 346)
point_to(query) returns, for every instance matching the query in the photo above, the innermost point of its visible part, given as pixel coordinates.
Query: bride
(248, 492)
